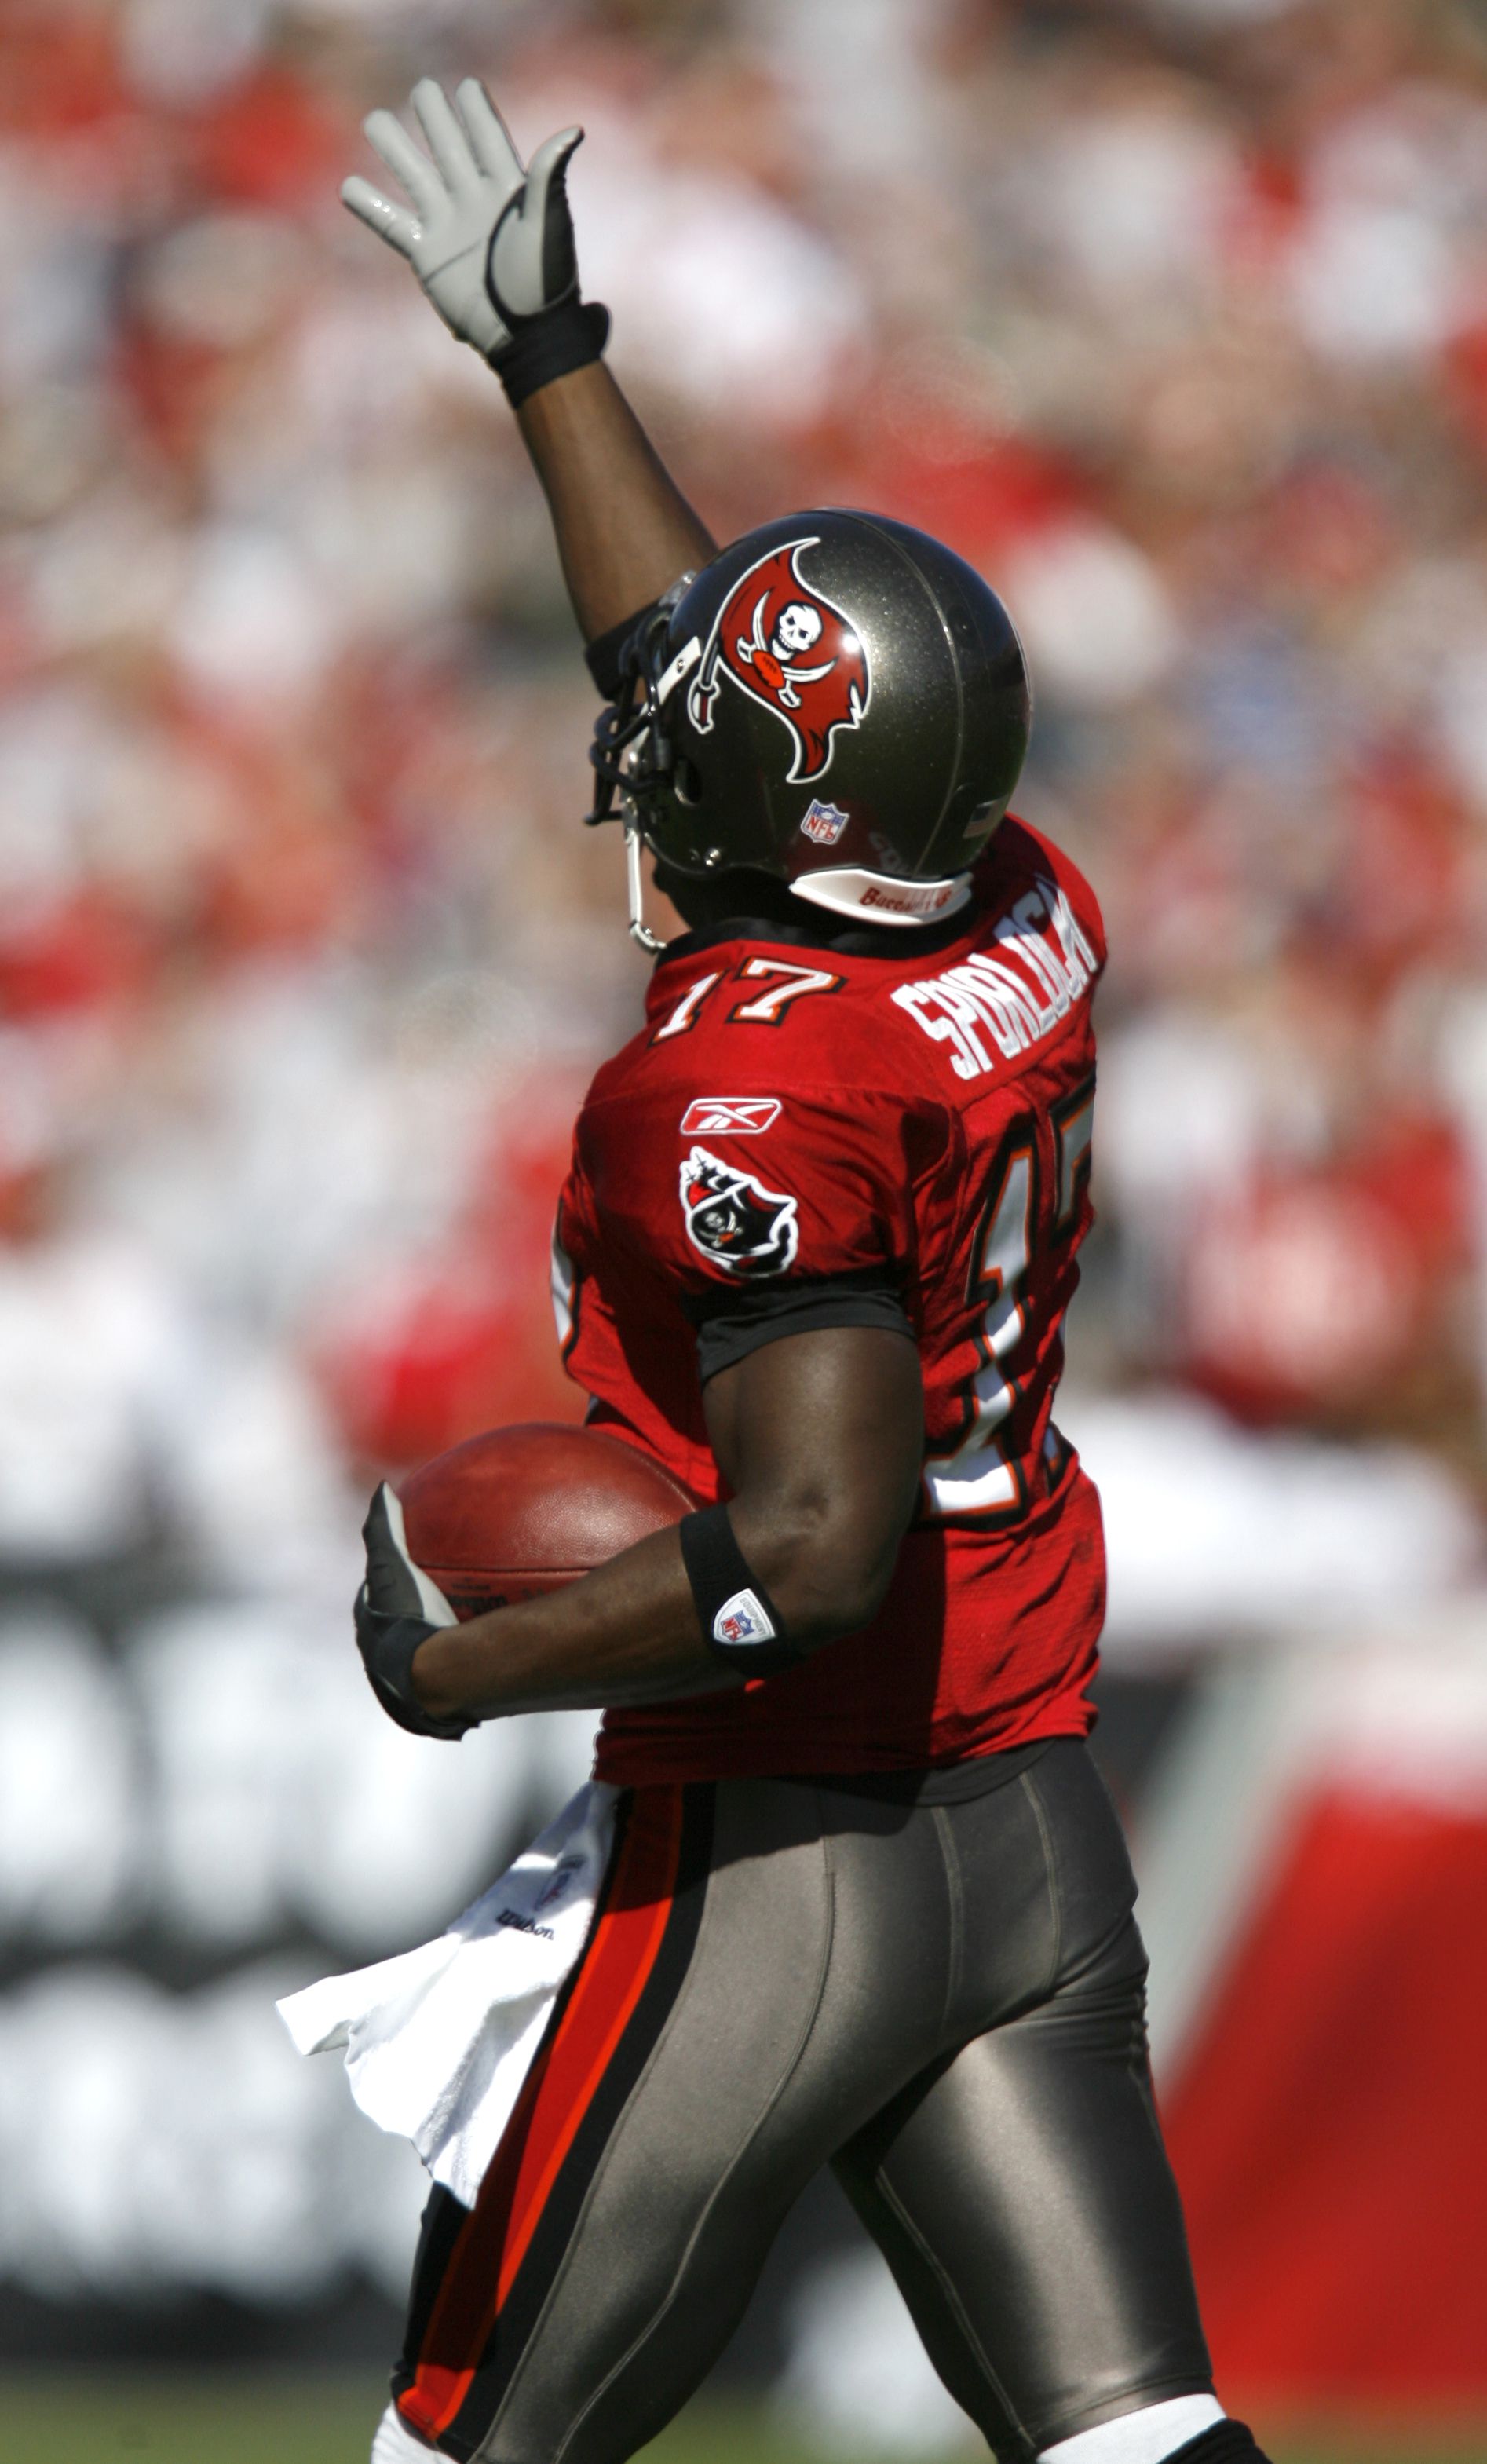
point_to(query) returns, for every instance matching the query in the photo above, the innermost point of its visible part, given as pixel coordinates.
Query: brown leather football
(525, 1509)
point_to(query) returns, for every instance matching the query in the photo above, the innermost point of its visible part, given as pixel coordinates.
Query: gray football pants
(946, 2003)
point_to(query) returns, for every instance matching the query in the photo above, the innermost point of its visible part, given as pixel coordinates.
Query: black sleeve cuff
(601, 657)
(733, 1323)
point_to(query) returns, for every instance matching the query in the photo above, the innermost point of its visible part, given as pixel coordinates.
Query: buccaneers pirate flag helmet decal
(835, 699)
(785, 644)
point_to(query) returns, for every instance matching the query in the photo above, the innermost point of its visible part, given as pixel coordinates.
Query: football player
(869, 1905)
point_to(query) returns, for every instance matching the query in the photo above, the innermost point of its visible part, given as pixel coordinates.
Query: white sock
(395, 2444)
(1143, 2438)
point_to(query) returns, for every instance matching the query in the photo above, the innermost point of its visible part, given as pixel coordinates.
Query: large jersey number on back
(784, 984)
(984, 1477)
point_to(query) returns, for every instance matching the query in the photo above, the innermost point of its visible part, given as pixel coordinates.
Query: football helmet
(836, 700)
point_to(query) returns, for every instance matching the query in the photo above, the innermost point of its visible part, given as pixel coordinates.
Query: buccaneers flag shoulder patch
(779, 640)
(734, 1221)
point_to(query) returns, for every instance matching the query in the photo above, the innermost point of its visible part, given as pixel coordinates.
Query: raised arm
(491, 243)
(820, 1437)
(624, 531)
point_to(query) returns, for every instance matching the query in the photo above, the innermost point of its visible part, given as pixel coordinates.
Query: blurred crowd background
(1171, 316)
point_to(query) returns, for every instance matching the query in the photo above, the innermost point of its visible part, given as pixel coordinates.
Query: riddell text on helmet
(906, 899)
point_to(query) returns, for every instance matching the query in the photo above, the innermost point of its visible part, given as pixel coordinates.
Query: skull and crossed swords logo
(798, 629)
(781, 642)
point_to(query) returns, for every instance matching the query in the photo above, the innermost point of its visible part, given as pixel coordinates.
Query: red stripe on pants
(558, 2093)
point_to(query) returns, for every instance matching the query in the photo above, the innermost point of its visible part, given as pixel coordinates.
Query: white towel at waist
(439, 2041)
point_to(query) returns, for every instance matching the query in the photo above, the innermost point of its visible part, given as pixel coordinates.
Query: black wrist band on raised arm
(553, 343)
(741, 1623)
(603, 656)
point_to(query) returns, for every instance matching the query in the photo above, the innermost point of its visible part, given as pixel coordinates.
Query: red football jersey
(792, 1112)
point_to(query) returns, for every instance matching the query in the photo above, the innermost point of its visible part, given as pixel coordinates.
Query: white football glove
(491, 243)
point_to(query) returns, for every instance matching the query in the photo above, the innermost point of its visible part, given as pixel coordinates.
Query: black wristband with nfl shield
(740, 1623)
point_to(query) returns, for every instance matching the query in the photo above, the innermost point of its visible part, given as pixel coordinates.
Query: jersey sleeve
(731, 1325)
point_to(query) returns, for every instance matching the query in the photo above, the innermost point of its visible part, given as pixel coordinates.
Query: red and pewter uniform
(786, 1972)
(795, 1123)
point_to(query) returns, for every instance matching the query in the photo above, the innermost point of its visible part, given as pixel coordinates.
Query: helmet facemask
(632, 755)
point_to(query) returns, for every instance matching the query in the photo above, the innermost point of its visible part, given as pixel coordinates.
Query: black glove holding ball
(397, 1608)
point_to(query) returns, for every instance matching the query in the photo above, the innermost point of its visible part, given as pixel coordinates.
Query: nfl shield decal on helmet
(823, 822)
(782, 644)
(733, 1221)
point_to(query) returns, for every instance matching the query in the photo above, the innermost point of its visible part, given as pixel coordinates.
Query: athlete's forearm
(819, 1436)
(629, 1632)
(624, 531)
(626, 1633)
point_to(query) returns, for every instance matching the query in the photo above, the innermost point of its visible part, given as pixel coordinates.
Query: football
(520, 1511)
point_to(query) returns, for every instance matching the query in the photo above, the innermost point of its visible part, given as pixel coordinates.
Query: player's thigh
(815, 1993)
(1019, 2188)
(683, 2101)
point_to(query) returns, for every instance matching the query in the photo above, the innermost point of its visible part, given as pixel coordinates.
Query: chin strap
(640, 929)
